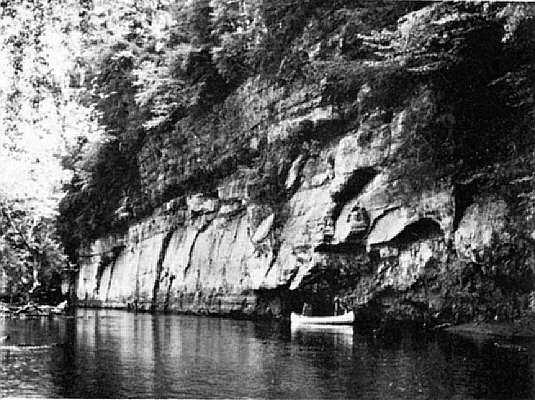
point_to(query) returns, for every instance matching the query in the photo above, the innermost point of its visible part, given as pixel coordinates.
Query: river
(116, 354)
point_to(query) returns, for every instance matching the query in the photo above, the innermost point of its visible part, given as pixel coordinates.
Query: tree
(41, 117)
(31, 256)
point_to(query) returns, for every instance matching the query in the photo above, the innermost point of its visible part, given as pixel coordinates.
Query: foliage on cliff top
(152, 68)
(167, 75)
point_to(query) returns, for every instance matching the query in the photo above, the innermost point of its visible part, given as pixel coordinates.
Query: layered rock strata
(225, 253)
(319, 203)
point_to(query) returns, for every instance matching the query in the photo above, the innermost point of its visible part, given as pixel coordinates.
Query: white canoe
(345, 319)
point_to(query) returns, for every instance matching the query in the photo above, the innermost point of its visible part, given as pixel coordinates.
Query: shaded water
(105, 353)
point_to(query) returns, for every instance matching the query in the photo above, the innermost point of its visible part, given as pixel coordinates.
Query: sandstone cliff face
(218, 254)
(344, 224)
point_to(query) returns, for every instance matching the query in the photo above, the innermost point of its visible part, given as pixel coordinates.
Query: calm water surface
(117, 354)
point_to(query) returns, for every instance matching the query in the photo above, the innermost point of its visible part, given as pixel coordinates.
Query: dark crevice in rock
(273, 261)
(352, 188)
(425, 228)
(281, 217)
(106, 260)
(190, 253)
(116, 253)
(344, 248)
(463, 195)
(327, 130)
(168, 293)
(159, 266)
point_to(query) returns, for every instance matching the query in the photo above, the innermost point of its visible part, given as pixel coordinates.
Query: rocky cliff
(334, 198)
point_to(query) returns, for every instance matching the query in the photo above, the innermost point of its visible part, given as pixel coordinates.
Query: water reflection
(27, 360)
(117, 354)
(341, 336)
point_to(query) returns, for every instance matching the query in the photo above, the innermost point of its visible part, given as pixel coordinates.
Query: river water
(116, 354)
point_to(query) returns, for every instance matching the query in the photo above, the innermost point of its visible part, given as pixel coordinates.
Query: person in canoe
(340, 308)
(336, 305)
(307, 309)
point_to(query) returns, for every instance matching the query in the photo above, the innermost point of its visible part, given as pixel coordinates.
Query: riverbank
(518, 328)
(32, 310)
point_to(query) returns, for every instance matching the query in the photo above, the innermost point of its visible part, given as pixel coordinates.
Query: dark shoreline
(520, 328)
